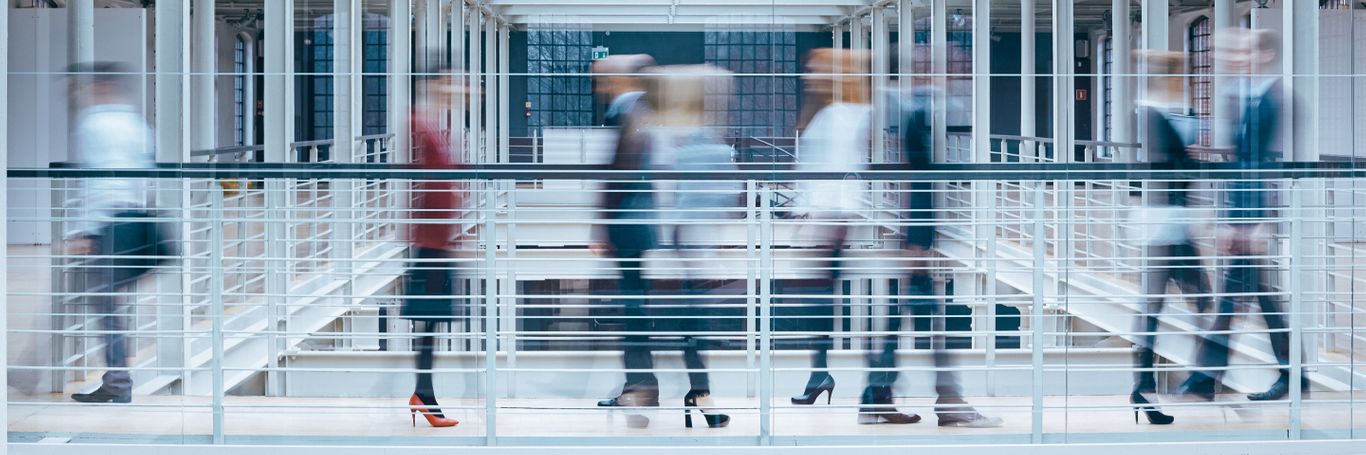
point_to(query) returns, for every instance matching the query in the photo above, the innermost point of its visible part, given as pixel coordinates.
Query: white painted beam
(1122, 80)
(981, 81)
(1028, 103)
(400, 80)
(457, 58)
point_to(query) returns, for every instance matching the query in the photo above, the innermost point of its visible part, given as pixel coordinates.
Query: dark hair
(113, 74)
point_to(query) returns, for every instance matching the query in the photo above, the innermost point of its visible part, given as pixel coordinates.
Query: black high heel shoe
(1154, 416)
(813, 391)
(700, 399)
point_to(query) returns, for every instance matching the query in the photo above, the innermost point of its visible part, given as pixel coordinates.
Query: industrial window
(1201, 79)
(239, 91)
(559, 90)
(959, 81)
(759, 106)
(316, 64)
(374, 83)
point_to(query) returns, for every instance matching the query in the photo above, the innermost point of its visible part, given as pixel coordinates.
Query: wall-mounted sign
(599, 52)
(1081, 94)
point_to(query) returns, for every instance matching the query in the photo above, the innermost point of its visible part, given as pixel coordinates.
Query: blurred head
(617, 74)
(1246, 51)
(1165, 71)
(848, 69)
(678, 94)
(437, 84)
(97, 83)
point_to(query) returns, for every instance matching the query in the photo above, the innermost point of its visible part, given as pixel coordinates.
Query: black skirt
(429, 287)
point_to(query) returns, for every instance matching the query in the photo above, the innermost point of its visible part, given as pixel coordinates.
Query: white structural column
(4, 212)
(278, 44)
(1300, 67)
(1064, 68)
(203, 66)
(857, 34)
(939, 68)
(278, 79)
(504, 104)
(981, 81)
(346, 121)
(490, 90)
(81, 32)
(476, 123)
(457, 59)
(1223, 112)
(1028, 103)
(905, 49)
(1155, 17)
(881, 66)
(1300, 136)
(1121, 80)
(400, 77)
(172, 146)
(837, 37)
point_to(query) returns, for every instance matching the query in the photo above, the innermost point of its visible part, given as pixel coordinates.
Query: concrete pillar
(837, 37)
(204, 65)
(4, 207)
(1028, 103)
(347, 62)
(1122, 80)
(1300, 67)
(172, 146)
(857, 34)
(490, 90)
(1155, 17)
(400, 81)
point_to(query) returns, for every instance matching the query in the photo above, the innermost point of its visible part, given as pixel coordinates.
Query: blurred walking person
(1255, 56)
(1169, 249)
(876, 404)
(430, 282)
(834, 137)
(628, 209)
(678, 100)
(113, 226)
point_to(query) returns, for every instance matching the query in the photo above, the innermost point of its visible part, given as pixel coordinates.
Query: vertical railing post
(277, 284)
(489, 236)
(751, 281)
(1036, 316)
(215, 266)
(1299, 254)
(765, 318)
(990, 263)
(509, 316)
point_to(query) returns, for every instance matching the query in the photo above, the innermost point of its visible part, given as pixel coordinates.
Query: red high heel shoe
(430, 412)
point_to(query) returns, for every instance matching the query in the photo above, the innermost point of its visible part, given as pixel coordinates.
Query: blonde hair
(684, 95)
(849, 70)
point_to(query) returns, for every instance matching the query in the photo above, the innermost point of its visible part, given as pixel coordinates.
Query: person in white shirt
(111, 223)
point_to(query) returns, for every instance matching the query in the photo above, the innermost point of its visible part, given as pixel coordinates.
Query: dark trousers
(629, 243)
(1245, 276)
(922, 304)
(1165, 263)
(115, 268)
(694, 320)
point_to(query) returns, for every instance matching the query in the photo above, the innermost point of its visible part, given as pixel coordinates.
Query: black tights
(825, 317)
(426, 347)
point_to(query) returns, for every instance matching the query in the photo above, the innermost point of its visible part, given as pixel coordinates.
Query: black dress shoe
(1198, 385)
(610, 402)
(1279, 390)
(102, 396)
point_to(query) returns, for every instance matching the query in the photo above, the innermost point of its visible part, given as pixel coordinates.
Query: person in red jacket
(430, 282)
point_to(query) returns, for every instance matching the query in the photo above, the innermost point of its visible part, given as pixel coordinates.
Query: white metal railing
(1045, 273)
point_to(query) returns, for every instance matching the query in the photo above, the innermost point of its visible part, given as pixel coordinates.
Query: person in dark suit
(1169, 250)
(919, 236)
(628, 208)
(1246, 235)
(430, 282)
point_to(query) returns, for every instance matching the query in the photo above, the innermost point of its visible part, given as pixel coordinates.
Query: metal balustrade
(283, 305)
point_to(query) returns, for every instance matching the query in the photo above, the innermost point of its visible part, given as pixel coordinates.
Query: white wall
(37, 111)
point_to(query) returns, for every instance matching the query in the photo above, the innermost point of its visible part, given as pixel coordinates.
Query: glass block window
(959, 81)
(1201, 76)
(239, 91)
(763, 95)
(1107, 85)
(559, 89)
